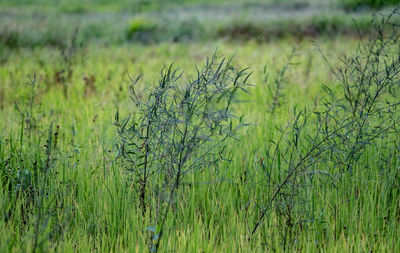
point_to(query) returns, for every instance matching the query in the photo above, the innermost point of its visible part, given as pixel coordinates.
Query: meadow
(291, 108)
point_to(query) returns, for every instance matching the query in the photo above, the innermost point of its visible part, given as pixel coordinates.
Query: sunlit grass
(89, 196)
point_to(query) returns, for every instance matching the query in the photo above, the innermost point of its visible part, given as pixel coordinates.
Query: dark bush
(141, 29)
(355, 4)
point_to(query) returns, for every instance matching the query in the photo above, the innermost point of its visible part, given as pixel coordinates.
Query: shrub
(354, 4)
(181, 128)
(9, 38)
(141, 29)
(362, 112)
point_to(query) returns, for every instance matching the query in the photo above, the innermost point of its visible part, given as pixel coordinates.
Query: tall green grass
(63, 189)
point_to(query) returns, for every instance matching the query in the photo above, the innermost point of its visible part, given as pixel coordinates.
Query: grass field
(292, 180)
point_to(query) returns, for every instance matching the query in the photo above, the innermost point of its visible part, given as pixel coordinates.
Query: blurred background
(32, 23)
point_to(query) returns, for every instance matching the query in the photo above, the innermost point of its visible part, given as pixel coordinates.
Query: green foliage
(141, 29)
(309, 27)
(354, 4)
(53, 27)
(180, 129)
(73, 8)
(28, 175)
(364, 112)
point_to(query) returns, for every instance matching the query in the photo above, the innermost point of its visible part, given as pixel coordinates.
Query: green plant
(363, 112)
(29, 112)
(180, 129)
(28, 173)
(369, 82)
(68, 59)
(354, 4)
(280, 80)
(141, 29)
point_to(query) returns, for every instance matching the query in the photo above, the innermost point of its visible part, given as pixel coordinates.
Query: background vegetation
(369, 3)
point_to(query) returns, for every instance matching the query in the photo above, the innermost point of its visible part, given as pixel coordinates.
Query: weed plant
(180, 129)
(27, 174)
(363, 112)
